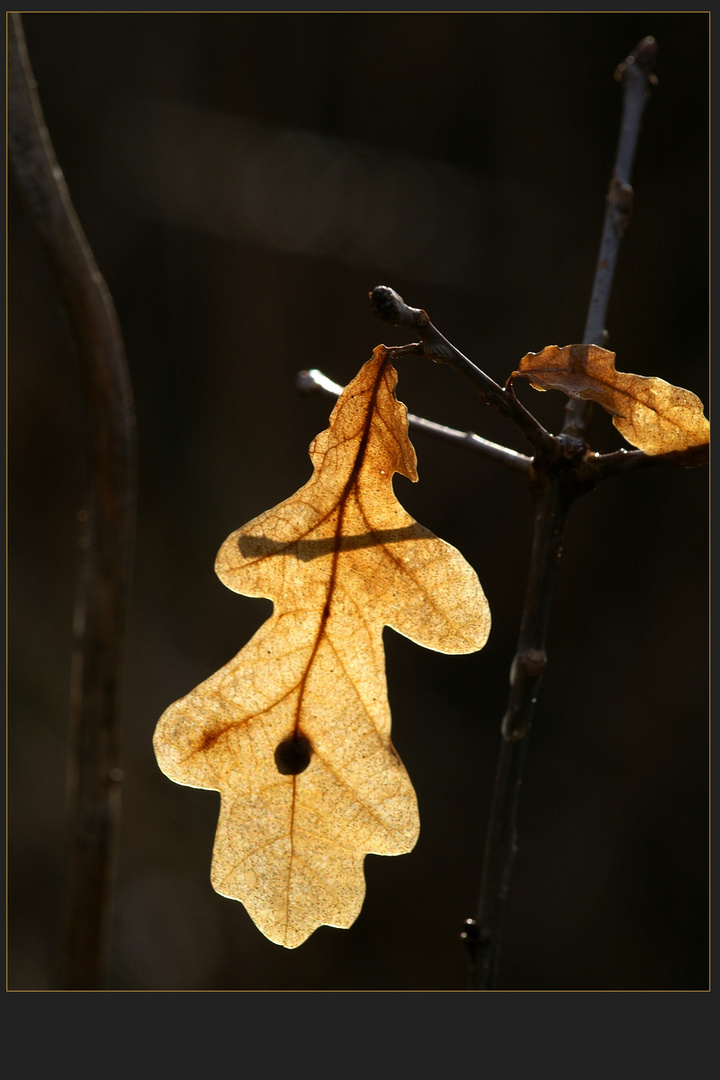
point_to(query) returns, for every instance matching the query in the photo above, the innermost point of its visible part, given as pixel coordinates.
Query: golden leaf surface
(295, 731)
(653, 415)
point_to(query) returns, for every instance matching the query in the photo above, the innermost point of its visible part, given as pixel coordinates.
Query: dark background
(244, 179)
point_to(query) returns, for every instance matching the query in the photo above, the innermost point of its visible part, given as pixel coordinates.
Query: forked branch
(391, 308)
(562, 469)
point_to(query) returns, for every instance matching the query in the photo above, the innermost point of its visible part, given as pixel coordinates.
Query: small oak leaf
(295, 731)
(653, 415)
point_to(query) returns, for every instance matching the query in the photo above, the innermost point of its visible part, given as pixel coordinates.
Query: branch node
(620, 198)
(533, 662)
(643, 57)
(574, 449)
(514, 725)
(391, 308)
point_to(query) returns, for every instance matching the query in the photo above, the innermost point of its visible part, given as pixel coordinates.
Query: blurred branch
(314, 380)
(109, 523)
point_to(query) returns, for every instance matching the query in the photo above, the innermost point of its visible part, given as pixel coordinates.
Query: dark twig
(553, 490)
(554, 486)
(391, 308)
(597, 467)
(312, 380)
(106, 546)
(636, 75)
(562, 469)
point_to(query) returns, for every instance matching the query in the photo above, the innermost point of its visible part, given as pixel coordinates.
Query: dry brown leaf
(651, 414)
(295, 731)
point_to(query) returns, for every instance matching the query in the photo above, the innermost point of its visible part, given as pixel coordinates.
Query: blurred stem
(107, 539)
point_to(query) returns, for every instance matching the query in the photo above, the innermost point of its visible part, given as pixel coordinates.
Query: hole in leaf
(292, 755)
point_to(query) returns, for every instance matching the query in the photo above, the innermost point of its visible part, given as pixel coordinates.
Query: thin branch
(636, 75)
(597, 467)
(313, 380)
(391, 308)
(94, 774)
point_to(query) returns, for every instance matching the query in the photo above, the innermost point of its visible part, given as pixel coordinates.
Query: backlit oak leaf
(651, 414)
(295, 731)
